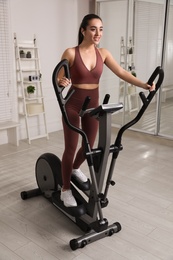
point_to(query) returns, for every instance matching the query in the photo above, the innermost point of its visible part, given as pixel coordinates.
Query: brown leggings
(88, 124)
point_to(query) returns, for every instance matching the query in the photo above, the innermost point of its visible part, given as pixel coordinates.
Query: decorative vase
(31, 95)
(22, 54)
(28, 54)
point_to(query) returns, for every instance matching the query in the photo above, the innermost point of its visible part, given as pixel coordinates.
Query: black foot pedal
(84, 186)
(77, 211)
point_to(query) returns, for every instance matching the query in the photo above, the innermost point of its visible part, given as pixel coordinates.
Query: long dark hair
(84, 24)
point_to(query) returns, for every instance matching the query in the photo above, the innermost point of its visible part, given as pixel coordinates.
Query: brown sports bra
(79, 72)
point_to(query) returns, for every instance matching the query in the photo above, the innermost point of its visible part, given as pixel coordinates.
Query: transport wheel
(74, 244)
(118, 226)
(48, 172)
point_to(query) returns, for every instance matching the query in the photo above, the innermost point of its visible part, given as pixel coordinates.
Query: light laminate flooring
(141, 200)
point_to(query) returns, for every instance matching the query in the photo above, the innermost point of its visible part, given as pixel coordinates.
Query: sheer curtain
(7, 89)
(148, 40)
(148, 36)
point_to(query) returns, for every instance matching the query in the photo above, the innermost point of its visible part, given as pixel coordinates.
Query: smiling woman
(86, 65)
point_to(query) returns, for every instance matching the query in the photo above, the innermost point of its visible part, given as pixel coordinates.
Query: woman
(86, 65)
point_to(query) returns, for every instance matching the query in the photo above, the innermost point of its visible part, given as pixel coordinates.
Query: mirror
(133, 33)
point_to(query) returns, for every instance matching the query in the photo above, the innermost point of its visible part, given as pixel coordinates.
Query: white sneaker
(79, 176)
(68, 198)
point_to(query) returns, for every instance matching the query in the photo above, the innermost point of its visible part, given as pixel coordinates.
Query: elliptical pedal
(77, 211)
(84, 186)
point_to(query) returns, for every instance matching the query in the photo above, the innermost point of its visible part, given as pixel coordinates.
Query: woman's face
(94, 31)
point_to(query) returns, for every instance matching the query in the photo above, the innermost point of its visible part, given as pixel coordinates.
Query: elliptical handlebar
(63, 100)
(146, 101)
(59, 89)
(158, 71)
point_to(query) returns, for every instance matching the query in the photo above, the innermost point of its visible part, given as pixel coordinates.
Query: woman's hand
(64, 82)
(150, 88)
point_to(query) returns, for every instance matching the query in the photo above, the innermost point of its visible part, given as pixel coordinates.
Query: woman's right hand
(64, 82)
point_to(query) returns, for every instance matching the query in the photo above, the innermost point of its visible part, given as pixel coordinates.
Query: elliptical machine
(88, 214)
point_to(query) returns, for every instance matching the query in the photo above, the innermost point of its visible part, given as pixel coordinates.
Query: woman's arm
(122, 73)
(68, 55)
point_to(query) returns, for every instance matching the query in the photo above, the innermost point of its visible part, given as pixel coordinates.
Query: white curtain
(6, 88)
(148, 34)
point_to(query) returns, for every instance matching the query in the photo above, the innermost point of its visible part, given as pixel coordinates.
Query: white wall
(55, 23)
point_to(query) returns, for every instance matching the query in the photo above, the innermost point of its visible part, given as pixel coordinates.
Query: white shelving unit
(128, 92)
(28, 73)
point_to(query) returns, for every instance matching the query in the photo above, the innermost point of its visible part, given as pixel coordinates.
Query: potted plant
(22, 54)
(30, 90)
(133, 73)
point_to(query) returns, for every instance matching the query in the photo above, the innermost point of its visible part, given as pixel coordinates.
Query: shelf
(31, 115)
(30, 98)
(27, 47)
(34, 98)
(30, 106)
(28, 59)
(29, 70)
(33, 81)
(29, 82)
(36, 114)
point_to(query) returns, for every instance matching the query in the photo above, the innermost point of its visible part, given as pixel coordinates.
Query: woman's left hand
(150, 88)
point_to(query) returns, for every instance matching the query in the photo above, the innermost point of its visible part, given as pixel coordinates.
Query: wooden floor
(141, 200)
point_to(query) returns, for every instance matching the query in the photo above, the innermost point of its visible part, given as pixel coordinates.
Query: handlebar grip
(106, 99)
(59, 66)
(157, 72)
(86, 102)
(84, 106)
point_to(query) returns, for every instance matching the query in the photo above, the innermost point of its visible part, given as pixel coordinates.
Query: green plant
(133, 73)
(30, 89)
